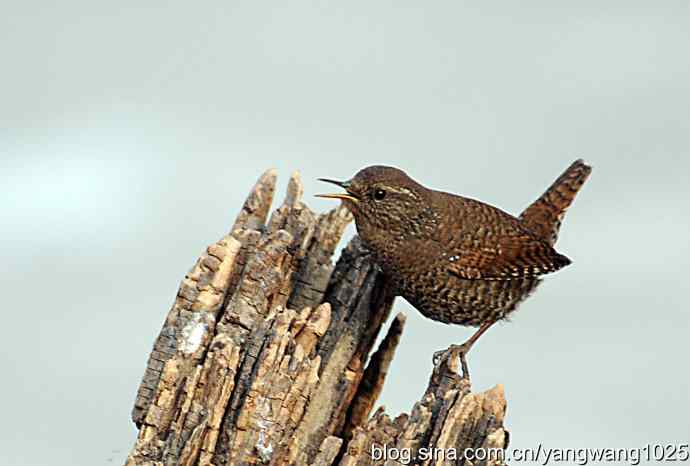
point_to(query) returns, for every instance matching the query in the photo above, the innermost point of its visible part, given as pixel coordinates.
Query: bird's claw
(440, 355)
(451, 352)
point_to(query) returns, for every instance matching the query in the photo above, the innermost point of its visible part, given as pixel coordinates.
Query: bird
(456, 259)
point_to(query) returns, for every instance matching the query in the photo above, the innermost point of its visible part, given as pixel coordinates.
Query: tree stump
(266, 357)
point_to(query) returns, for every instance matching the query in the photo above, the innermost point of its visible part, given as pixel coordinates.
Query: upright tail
(544, 215)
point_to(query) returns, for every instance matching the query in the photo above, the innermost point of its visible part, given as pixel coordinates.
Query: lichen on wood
(266, 356)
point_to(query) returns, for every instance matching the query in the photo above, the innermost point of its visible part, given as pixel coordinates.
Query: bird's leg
(463, 349)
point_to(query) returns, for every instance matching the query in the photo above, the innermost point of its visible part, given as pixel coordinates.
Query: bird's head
(385, 202)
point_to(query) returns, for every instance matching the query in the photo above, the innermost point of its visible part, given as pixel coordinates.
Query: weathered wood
(266, 355)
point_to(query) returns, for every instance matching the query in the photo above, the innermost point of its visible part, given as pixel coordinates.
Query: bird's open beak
(343, 184)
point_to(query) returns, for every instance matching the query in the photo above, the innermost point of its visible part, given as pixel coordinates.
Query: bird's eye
(379, 194)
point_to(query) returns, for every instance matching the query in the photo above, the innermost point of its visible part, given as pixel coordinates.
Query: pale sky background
(130, 133)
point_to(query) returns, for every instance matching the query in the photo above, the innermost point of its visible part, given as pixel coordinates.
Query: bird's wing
(495, 246)
(511, 257)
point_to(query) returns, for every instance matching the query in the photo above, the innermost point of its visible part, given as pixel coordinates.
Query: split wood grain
(266, 355)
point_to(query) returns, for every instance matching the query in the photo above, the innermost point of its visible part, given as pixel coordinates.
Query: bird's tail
(544, 215)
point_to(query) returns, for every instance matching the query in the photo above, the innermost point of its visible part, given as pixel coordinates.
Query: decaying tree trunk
(266, 357)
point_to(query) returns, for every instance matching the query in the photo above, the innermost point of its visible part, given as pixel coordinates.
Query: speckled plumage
(458, 260)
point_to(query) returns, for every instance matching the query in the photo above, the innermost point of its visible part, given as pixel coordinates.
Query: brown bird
(457, 260)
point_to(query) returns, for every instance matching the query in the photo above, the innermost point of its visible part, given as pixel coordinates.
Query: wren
(457, 260)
